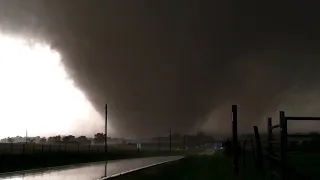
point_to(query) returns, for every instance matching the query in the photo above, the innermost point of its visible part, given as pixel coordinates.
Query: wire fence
(19, 148)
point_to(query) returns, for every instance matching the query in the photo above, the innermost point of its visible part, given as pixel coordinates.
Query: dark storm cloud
(180, 64)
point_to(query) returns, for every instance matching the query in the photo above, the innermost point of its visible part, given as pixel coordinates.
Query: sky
(181, 64)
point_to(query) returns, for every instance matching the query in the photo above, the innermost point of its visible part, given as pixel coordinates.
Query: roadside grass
(202, 167)
(307, 164)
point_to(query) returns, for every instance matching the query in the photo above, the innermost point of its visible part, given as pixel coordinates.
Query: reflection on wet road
(90, 171)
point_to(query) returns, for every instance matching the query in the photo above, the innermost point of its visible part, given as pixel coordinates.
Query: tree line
(98, 138)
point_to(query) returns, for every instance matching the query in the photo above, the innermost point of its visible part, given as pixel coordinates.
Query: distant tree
(201, 134)
(176, 136)
(99, 137)
(82, 139)
(227, 145)
(314, 133)
(68, 138)
(43, 140)
(30, 140)
(200, 137)
(57, 138)
(54, 139)
(50, 139)
(10, 140)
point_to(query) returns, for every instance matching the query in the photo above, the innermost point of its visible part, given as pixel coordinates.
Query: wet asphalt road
(90, 171)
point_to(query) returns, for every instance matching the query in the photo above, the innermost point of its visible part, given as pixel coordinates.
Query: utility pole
(26, 136)
(259, 150)
(283, 133)
(184, 142)
(25, 146)
(170, 139)
(106, 131)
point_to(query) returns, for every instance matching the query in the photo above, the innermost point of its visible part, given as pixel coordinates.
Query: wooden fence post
(283, 144)
(259, 150)
(235, 140)
(244, 153)
(270, 151)
(253, 151)
(106, 130)
(184, 143)
(170, 140)
(269, 133)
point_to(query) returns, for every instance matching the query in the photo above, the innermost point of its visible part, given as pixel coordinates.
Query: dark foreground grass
(217, 167)
(307, 164)
(18, 162)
